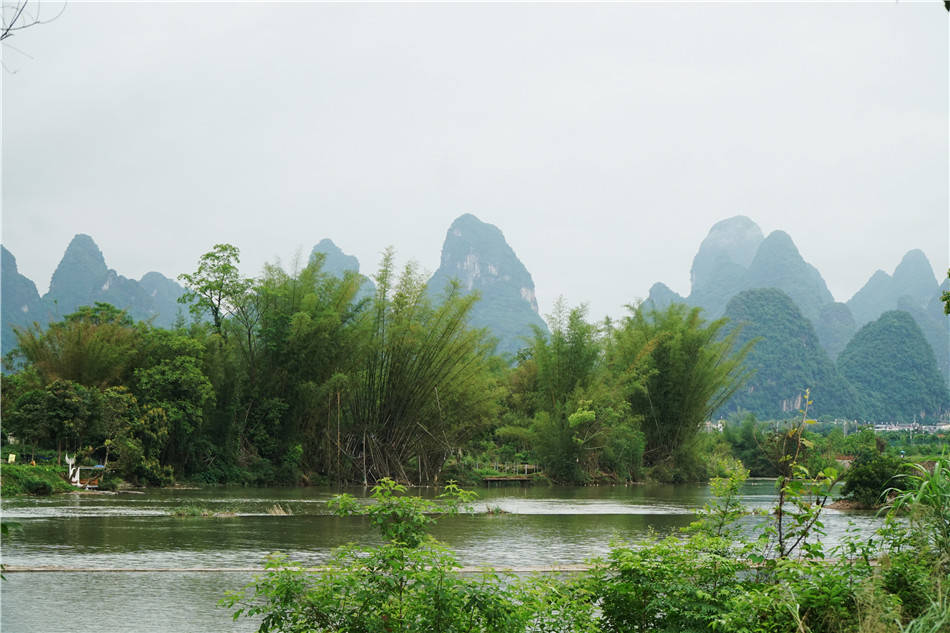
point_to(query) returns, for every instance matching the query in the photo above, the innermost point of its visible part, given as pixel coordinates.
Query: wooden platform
(507, 478)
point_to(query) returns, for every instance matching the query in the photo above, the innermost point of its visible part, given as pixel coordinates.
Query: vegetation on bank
(24, 479)
(292, 378)
(296, 377)
(712, 577)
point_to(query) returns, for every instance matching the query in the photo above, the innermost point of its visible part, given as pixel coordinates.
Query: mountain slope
(894, 370)
(21, 303)
(787, 360)
(336, 262)
(477, 255)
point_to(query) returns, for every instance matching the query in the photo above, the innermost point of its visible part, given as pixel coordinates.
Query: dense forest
(294, 377)
(303, 376)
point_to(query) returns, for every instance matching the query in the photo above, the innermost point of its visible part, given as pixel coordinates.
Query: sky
(604, 140)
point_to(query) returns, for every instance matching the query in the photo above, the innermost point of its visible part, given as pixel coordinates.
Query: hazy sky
(604, 140)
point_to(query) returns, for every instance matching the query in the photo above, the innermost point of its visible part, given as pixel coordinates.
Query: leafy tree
(572, 418)
(216, 287)
(94, 346)
(182, 392)
(871, 475)
(62, 413)
(675, 370)
(423, 382)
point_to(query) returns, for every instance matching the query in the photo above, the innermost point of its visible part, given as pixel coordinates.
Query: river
(539, 526)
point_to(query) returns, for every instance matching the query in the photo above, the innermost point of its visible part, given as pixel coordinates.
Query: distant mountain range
(804, 332)
(807, 340)
(735, 256)
(82, 278)
(474, 252)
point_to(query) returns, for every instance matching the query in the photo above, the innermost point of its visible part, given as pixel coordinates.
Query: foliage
(945, 297)
(92, 346)
(675, 370)
(400, 518)
(216, 287)
(927, 501)
(802, 496)
(19, 478)
(871, 475)
(709, 578)
(423, 382)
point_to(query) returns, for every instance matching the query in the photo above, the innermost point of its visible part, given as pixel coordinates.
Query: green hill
(894, 370)
(787, 360)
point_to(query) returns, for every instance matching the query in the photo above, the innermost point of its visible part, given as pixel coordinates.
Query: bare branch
(22, 18)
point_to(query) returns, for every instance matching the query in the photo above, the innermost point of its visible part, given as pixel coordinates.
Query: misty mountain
(661, 296)
(835, 326)
(336, 262)
(735, 257)
(721, 265)
(477, 255)
(21, 303)
(912, 288)
(787, 360)
(893, 368)
(81, 279)
(913, 278)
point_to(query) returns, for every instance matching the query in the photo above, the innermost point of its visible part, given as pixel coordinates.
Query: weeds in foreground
(708, 579)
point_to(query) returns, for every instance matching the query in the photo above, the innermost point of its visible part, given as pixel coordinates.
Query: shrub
(38, 487)
(871, 475)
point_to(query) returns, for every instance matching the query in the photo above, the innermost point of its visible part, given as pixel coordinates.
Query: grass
(20, 479)
(196, 511)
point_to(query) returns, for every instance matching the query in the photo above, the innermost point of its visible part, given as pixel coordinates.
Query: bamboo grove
(300, 376)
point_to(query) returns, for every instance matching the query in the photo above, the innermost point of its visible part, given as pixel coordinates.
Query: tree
(63, 413)
(423, 382)
(675, 370)
(23, 14)
(182, 392)
(216, 287)
(94, 346)
(946, 298)
(564, 427)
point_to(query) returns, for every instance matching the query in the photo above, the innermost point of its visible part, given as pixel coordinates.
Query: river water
(540, 526)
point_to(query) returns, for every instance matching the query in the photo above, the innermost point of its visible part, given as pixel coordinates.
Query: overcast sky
(604, 140)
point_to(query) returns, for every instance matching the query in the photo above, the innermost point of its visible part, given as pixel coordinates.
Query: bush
(871, 475)
(38, 487)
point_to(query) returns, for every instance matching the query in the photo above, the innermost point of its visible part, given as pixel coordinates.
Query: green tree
(94, 346)
(571, 418)
(424, 382)
(675, 370)
(62, 413)
(216, 287)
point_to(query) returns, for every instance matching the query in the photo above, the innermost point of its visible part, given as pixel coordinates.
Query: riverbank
(26, 479)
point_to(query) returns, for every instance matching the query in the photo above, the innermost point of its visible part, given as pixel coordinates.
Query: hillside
(894, 370)
(787, 360)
